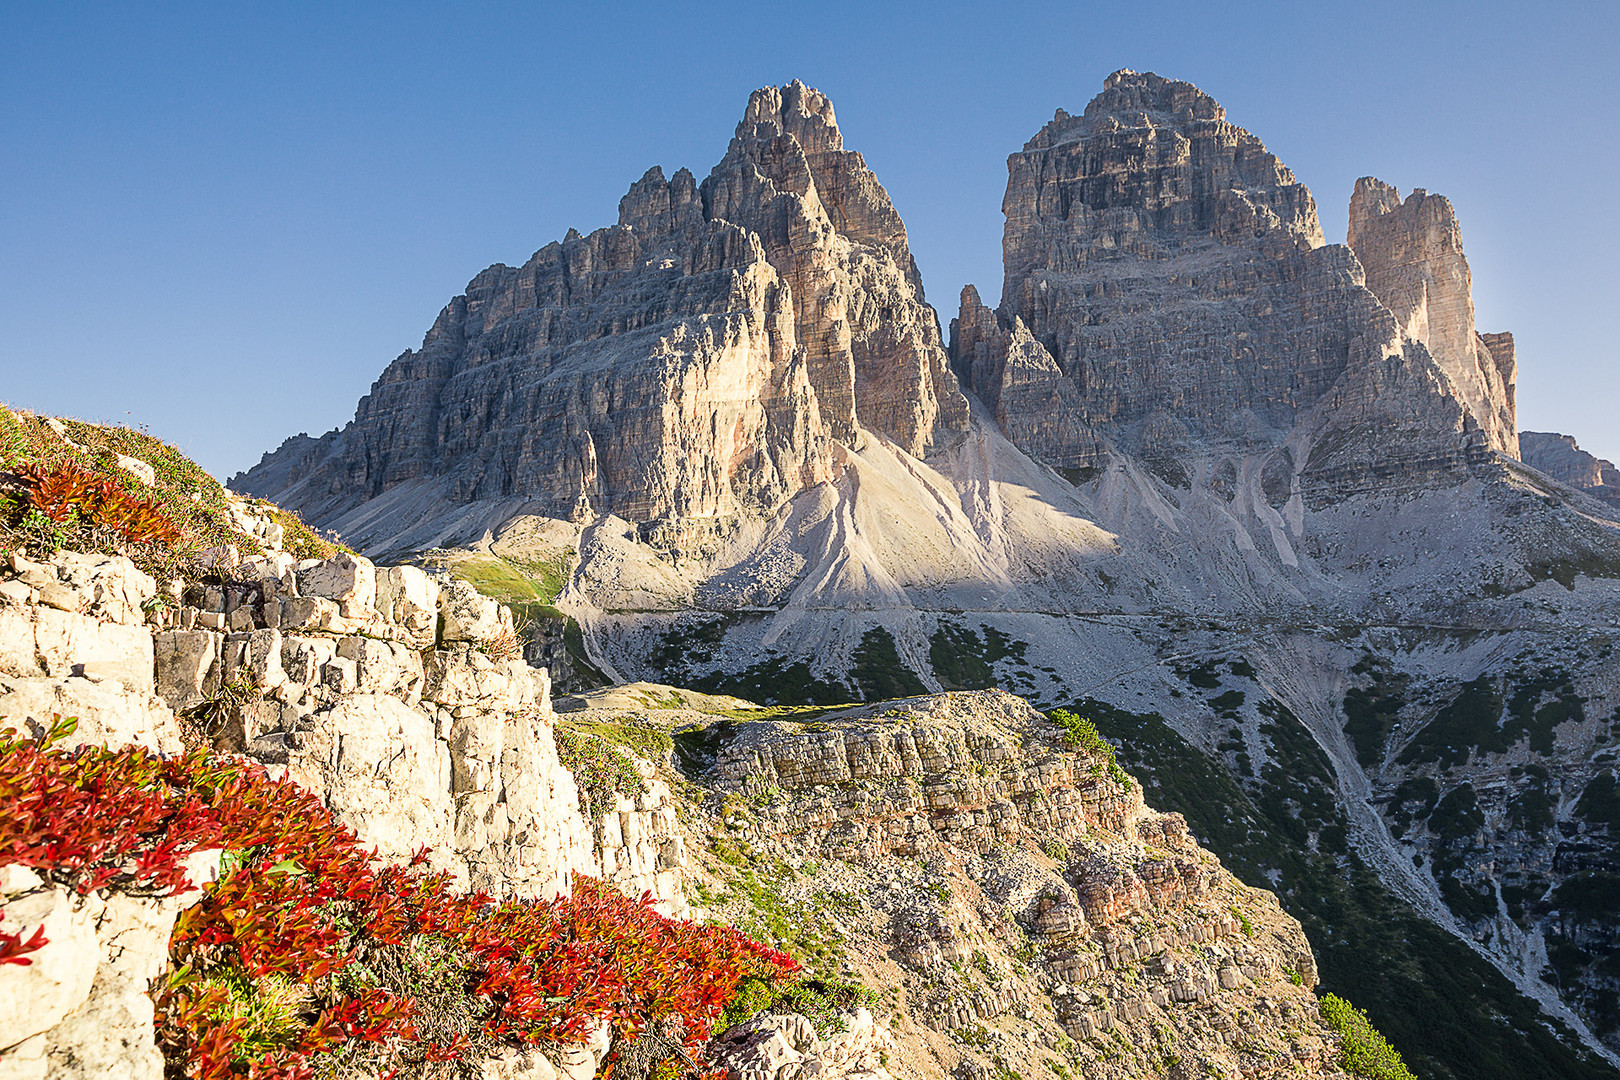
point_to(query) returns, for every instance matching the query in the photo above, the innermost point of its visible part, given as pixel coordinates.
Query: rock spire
(1412, 253)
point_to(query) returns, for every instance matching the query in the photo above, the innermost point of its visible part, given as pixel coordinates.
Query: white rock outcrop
(350, 692)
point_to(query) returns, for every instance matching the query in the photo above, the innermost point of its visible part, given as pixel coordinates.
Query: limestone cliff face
(701, 357)
(1413, 257)
(1561, 458)
(1168, 289)
(1173, 271)
(1018, 898)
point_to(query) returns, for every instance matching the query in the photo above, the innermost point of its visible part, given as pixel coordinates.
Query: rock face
(81, 1009)
(705, 355)
(1562, 459)
(1015, 895)
(1413, 257)
(1167, 289)
(412, 736)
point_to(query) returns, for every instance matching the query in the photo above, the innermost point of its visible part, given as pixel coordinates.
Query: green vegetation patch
(184, 498)
(773, 681)
(1370, 711)
(1364, 1051)
(877, 670)
(962, 660)
(1599, 803)
(1470, 720)
(1457, 817)
(1081, 734)
(1531, 807)
(1477, 720)
(598, 753)
(1592, 896)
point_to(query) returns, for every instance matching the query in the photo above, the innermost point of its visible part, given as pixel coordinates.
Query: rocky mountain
(1254, 500)
(1561, 458)
(707, 356)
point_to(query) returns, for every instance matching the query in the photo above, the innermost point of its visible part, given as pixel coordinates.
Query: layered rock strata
(375, 688)
(1167, 292)
(1561, 458)
(704, 356)
(1412, 254)
(1019, 901)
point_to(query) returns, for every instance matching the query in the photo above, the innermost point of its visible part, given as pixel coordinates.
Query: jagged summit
(1173, 272)
(1412, 253)
(703, 357)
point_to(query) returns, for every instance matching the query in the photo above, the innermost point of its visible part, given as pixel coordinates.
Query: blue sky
(222, 223)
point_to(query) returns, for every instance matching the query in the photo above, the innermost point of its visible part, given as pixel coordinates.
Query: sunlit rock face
(1167, 289)
(1413, 256)
(700, 358)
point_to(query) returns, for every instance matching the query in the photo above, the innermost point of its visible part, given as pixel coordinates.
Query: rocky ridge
(1561, 458)
(1009, 899)
(707, 355)
(373, 688)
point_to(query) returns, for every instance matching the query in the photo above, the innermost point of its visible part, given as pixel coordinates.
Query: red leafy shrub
(64, 491)
(308, 953)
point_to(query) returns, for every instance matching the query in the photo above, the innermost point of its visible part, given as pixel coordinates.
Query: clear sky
(223, 223)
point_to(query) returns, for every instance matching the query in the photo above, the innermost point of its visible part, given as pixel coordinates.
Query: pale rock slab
(376, 762)
(1412, 253)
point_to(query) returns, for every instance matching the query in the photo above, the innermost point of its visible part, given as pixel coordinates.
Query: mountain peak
(794, 109)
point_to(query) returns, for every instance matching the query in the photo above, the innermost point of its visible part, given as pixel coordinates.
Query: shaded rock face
(1167, 289)
(1413, 257)
(1173, 271)
(701, 357)
(1562, 459)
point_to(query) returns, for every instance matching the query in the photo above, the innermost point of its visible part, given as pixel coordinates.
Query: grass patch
(598, 753)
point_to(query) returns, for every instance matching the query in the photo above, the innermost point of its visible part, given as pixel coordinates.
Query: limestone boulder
(462, 675)
(109, 712)
(187, 666)
(469, 615)
(409, 598)
(349, 580)
(379, 766)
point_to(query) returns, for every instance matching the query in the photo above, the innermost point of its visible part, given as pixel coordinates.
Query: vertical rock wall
(1412, 253)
